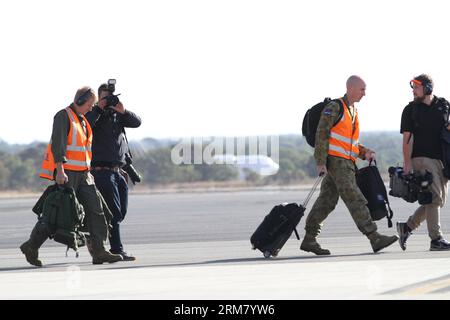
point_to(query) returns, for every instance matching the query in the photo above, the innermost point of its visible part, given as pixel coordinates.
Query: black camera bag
(372, 186)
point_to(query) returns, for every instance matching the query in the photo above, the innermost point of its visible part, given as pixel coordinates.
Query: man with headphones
(422, 122)
(67, 161)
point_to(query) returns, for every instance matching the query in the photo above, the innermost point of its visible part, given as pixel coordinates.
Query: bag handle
(308, 197)
(310, 194)
(296, 234)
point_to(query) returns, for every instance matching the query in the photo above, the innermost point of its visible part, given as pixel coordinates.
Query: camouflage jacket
(329, 116)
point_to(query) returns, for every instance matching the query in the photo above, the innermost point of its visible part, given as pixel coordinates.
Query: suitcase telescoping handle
(310, 194)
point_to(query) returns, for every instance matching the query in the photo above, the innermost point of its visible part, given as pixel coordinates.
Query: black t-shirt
(425, 123)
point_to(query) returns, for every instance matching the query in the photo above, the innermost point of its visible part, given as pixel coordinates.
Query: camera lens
(111, 101)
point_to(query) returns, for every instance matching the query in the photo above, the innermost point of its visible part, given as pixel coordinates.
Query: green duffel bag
(64, 215)
(72, 239)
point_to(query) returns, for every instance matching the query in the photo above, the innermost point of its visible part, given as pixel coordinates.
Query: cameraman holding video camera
(111, 157)
(423, 120)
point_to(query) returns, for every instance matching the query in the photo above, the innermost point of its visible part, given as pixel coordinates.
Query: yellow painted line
(436, 285)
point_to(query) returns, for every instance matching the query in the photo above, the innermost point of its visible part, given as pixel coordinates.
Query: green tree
(4, 176)
(217, 172)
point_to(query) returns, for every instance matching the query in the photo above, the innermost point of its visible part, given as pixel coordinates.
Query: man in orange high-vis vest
(67, 161)
(336, 150)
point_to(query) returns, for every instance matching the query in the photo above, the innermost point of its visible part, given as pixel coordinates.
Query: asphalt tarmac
(196, 246)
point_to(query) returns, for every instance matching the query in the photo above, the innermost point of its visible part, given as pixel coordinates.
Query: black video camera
(128, 168)
(411, 187)
(111, 100)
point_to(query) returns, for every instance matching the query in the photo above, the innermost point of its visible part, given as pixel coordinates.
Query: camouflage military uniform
(340, 181)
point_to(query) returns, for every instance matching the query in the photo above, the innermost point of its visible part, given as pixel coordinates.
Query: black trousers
(114, 189)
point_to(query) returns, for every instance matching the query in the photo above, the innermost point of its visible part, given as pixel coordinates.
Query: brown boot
(31, 254)
(31, 247)
(89, 246)
(104, 256)
(379, 241)
(310, 244)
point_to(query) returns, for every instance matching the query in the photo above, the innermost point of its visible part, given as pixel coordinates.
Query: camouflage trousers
(339, 181)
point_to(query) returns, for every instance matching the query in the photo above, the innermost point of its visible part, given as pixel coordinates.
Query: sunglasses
(414, 83)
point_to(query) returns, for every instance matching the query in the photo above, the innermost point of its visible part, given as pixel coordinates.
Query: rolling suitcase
(278, 225)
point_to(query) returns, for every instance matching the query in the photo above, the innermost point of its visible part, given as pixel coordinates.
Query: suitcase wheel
(267, 254)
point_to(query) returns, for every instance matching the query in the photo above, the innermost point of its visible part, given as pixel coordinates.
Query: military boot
(31, 247)
(310, 244)
(100, 257)
(379, 241)
(89, 244)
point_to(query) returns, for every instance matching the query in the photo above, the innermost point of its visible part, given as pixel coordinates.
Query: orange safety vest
(344, 136)
(78, 153)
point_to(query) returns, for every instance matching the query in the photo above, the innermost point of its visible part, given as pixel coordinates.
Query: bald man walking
(336, 150)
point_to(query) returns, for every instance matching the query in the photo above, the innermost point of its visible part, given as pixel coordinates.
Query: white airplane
(261, 164)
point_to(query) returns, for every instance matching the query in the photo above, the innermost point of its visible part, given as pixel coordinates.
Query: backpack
(312, 117)
(445, 134)
(445, 141)
(64, 215)
(372, 187)
(415, 115)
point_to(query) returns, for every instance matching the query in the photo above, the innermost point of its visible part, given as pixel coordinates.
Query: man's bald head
(356, 89)
(354, 81)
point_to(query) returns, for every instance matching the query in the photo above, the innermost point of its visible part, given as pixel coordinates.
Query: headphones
(427, 87)
(82, 99)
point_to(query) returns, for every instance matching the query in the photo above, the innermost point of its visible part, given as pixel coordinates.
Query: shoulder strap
(126, 140)
(77, 254)
(414, 116)
(445, 109)
(341, 110)
(390, 215)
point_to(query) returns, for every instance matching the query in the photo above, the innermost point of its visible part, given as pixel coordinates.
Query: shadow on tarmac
(122, 265)
(239, 260)
(30, 267)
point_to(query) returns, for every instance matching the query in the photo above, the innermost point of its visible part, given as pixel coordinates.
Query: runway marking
(432, 286)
